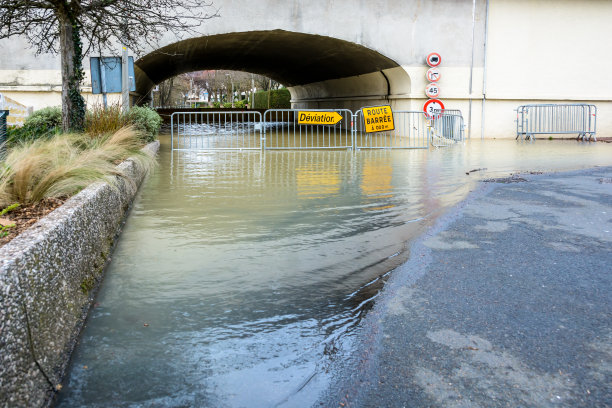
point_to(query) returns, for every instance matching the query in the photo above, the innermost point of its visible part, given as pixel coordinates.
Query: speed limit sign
(433, 75)
(432, 90)
(433, 108)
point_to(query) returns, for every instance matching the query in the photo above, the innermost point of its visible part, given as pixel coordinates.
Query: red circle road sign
(433, 75)
(434, 59)
(432, 90)
(433, 108)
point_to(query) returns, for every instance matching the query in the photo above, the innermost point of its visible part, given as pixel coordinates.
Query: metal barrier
(279, 129)
(216, 130)
(411, 132)
(561, 119)
(447, 129)
(283, 132)
(3, 132)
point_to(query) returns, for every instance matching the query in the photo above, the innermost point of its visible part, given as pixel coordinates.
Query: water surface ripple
(239, 275)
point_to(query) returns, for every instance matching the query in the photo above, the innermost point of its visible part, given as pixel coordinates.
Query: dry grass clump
(65, 164)
(100, 121)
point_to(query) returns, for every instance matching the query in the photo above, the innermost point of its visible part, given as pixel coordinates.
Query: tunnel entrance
(315, 68)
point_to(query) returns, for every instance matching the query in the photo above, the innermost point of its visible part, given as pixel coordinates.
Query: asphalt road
(505, 302)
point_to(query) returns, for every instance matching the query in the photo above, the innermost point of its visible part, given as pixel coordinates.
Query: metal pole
(269, 90)
(125, 86)
(252, 91)
(472, 69)
(484, 73)
(103, 81)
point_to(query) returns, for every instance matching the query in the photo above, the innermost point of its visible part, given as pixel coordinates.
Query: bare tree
(59, 26)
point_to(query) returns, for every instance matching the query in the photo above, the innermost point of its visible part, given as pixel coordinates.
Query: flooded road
(239, 275)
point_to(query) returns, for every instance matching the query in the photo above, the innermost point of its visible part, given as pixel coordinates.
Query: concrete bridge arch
(318, 70)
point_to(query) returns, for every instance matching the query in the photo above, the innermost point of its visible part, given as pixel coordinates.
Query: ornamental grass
(67, 163)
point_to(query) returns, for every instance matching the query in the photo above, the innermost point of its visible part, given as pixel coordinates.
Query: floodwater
(239, 276)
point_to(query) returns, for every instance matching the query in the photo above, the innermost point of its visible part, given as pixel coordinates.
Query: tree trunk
(73, 107)
(67, 54)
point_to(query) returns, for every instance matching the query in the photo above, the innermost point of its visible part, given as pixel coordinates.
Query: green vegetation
(43, 123)
(145, 120)
(99, 121)
(102, 121)
(4, 228)
(279, 99)
(66, 163)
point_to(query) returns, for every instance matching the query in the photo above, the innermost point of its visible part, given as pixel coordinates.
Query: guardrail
(284, 129)
(560, 119)
(411, 132)
(447, 128)
(216, 131)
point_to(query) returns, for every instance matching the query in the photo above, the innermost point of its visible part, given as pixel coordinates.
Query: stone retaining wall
(48, 277)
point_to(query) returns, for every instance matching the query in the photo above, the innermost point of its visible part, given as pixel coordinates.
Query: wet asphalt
(505, 302)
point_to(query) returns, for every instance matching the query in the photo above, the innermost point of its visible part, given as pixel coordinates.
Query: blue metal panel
(106, 74)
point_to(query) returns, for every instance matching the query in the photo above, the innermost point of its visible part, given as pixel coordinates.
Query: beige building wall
(538, 51)
(547, 51)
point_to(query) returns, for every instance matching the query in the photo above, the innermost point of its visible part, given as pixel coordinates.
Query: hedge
(279, 99)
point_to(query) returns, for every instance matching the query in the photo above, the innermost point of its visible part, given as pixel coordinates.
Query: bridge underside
(315, 68)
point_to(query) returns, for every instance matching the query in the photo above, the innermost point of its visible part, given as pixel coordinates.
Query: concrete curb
(48, 277)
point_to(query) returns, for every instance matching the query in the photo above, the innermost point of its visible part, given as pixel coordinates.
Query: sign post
(433, 108)
(432, 90)
(378, 119)
(318, 118)
(434, 59)
(433, 74)
(107, 75)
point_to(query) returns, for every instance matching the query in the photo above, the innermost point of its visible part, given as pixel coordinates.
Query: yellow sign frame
(377, 118)
(329, 118)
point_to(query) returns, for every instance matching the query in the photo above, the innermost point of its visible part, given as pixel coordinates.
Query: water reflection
(249, 269)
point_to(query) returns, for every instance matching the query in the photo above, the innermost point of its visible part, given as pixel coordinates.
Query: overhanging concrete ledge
(48, 278)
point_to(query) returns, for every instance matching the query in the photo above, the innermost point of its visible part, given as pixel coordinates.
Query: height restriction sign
(433, 108)
(434, 59)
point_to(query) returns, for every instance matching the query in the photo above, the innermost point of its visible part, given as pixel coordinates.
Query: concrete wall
(537, 51)
(48, 276)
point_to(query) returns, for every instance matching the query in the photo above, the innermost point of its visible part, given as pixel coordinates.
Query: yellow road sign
(378, 119)
(318, 118)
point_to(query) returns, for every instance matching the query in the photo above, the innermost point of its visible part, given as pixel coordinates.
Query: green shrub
(42, 124)
(240, 104)
(279, 99)
(145, 120)
(49, 118)
(100, 121)
(216, 105)
(227, 105)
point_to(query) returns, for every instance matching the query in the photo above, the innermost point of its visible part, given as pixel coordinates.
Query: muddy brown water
(239, 276)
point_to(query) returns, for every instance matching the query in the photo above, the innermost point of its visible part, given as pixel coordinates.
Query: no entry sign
(432, 90)
(433, 108)
(434, 59)
(433, 75)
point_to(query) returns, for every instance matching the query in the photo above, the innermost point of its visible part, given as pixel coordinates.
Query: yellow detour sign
(318, 118)
(378, 119)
